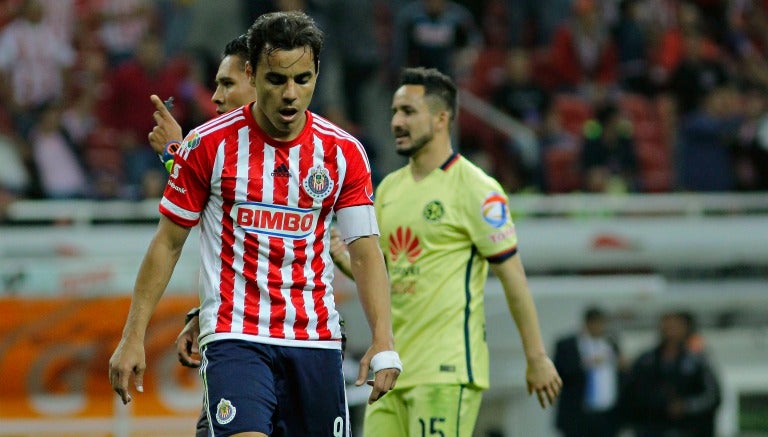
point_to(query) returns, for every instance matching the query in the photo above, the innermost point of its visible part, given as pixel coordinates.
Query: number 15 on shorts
(432, 426)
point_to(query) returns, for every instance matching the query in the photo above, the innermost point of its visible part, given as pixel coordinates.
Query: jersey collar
(453, 159)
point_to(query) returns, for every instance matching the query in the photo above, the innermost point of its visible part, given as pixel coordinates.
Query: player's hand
(166, 129)
(383, 381)
(542, 378)
(339, 253)
(127, 360)
(186, 344)
(338, 248)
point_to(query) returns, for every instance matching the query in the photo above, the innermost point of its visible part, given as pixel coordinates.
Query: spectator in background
(697, 74)
(519, 94)
(752, 146)
(674, 390)
(591, 365)
(34, 65)
(58, 161)
(122, 25)
(15, 177)
(632, 49)
(525, 100)
(549, 16)
(435, 33)
(608, 158)
(584, 53)
(128, 87)
(705, 141)
(351, 29)
(668, 39)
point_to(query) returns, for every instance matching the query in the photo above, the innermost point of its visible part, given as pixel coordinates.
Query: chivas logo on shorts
(318, 183)
(225, 411)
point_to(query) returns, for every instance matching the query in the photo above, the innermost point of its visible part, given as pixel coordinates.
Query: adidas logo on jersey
(281, 171)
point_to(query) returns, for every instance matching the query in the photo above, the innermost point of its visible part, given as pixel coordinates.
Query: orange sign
(54, 355)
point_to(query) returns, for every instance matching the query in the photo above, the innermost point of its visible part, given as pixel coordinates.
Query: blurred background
(632, 136)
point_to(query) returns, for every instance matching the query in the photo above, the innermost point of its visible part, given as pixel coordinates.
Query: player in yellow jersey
(443, 223)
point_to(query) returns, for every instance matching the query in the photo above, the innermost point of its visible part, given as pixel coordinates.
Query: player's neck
(429, 158)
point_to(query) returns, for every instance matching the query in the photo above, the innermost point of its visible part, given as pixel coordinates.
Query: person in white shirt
(590, 364)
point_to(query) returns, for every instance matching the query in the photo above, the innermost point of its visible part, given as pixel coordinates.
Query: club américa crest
(225, 411)
(318, 183)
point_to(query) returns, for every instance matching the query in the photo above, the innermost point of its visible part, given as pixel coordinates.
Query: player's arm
(367, 267)
(166, 136)
(154, 273)
(541, 375)
(339, 253)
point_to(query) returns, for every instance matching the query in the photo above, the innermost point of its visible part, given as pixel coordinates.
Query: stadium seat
(573, 112)
(561, 170)
(655, 166)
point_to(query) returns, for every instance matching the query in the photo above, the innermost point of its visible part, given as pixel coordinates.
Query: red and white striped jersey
(265, 210)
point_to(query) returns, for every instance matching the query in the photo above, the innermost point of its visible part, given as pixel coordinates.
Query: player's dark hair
(593, 314)
(435, 84)
(237, 47)
(284, 31)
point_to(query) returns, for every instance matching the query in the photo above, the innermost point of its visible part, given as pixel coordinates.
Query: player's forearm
(367, 267)
(521, 306)
(526, 319)
(153, 277)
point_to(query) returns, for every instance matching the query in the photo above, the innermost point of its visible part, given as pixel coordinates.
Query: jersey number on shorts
(434, 424)
(338, 427)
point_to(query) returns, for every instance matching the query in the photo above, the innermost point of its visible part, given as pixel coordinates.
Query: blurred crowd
(557, 95)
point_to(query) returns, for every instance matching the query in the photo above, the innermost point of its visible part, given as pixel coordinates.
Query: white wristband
(386, 360)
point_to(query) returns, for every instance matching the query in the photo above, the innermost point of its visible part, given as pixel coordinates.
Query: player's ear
(250, 73)
(444, 118)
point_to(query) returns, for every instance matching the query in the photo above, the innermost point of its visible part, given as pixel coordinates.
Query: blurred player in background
(443, 222)
(265, 180)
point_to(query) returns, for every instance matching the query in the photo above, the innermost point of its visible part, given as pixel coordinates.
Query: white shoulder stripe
(220, 119)
(223, 124)
(350, 138)
(179, 211)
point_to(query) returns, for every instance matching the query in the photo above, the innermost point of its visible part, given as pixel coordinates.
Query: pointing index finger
(160, 105)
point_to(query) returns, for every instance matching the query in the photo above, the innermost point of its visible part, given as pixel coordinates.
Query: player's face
(233, 88)
(412, 121)
(285, 81)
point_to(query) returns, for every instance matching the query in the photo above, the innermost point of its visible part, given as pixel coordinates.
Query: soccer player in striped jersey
(443, 222)
(264, 181)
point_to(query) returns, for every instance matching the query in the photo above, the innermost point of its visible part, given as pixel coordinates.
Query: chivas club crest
(225, 411)
(318, 183)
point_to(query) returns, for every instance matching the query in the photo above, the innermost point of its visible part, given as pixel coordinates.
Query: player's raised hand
(542, 378)
(166, 127)
(127, 360)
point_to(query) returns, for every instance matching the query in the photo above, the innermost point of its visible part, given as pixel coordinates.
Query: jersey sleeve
(189, 183)
(357, 187)
(489, 223)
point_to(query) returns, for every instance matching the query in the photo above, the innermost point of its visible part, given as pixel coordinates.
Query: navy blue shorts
(276, 390)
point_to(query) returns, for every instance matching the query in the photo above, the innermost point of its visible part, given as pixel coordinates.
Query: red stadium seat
(573, 112)
(561, 170)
